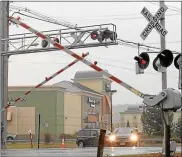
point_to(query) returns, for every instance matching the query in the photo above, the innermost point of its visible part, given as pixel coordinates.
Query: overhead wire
(108, 15)
(116, 18)
(174, 7)
(170, 7)
(37, 18)
(50, 19)
(126, 68)
(99, 62)
(170, 42)
(147, 47)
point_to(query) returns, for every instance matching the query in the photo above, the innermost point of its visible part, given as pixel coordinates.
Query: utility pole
(4, 33)
(164, 86)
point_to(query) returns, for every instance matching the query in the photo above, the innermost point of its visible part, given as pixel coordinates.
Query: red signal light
(94, 35)
(140, 60)
(143, 62)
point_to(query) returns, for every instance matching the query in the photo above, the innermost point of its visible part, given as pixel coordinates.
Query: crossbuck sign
(153, 22)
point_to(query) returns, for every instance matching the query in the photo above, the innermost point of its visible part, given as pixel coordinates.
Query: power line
(139, 44)
(133, 46)
(124, 68)
(37, 18)
(131, 18)
(166, 42)
(127, 18)
(170, 7)
(143, 45)
(174, 7)
(118, 66)
(50, 19)
(106, 16)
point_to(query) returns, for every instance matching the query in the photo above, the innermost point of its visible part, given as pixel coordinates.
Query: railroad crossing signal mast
(163, 60)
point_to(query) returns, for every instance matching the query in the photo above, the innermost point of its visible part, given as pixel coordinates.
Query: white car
(126, 137)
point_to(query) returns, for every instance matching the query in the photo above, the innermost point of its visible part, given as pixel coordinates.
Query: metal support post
(100, 148)
(111, 115)
(112, 92)
(38, 130)
(4, 33)
(164, 86)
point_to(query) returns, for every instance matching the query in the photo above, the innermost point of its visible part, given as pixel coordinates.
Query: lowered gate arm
(43, 82)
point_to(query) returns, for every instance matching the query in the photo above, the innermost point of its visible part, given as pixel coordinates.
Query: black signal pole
(38, 130)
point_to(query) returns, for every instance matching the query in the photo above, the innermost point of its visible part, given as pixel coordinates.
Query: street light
(111, 93)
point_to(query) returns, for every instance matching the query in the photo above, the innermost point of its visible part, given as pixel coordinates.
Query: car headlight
(112, 138)
(134, 137)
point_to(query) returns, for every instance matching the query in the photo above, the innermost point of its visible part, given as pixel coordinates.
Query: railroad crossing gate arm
(68, 51)
(43, 82)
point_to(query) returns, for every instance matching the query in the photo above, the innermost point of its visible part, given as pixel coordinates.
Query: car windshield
(123, 131)
(86, 132)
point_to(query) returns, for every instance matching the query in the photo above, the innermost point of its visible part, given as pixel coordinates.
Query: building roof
(29, 87)
(88, 74)
(84, 88)
(91, 74)
(69, 87)
(133, 108)
(75, 87)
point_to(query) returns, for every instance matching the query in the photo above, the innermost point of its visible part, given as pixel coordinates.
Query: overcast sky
(118, 60)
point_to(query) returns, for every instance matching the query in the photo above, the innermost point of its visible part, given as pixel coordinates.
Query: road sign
(159, 28)
(153, 22)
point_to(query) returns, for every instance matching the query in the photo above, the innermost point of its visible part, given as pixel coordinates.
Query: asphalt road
(79, 152)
